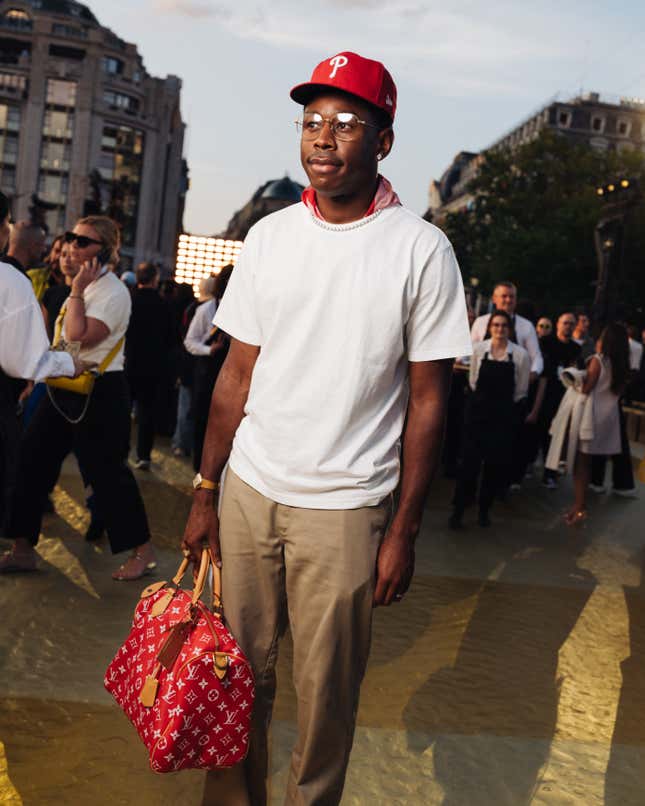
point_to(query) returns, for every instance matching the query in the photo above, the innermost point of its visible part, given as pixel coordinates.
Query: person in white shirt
(210, 348)
(345, 314)
(499, 378)
(505, 299)
(96, 427)
(24, 355)
(202, 324)
(635, 354)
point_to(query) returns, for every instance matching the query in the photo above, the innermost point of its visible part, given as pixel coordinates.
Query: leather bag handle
(200, 581)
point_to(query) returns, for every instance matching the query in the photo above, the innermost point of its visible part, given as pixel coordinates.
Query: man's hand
(218, 344)
(531, 417)
(394, 568)
(202, 528)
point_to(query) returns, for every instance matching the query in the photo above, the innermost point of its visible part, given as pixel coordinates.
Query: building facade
(605, 124)
(85, 128)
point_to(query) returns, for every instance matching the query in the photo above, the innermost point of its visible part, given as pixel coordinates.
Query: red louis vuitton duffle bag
(182, 680)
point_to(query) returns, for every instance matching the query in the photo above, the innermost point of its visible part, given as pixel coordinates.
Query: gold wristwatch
(200, 483)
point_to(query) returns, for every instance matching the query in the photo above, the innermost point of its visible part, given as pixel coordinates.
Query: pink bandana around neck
(383, 198)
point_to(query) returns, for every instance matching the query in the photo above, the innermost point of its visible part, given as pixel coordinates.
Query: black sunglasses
(82, 241)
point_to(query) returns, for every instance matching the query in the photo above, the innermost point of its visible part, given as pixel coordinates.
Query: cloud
(453, 51)
(192, 8)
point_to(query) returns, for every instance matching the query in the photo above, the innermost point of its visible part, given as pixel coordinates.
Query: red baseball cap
(349, 72)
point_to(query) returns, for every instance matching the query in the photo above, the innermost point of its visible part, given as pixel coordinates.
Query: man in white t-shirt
(505, 299)
(345, 314)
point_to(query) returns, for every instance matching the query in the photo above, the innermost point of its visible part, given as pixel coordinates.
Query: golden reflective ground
(513, 673)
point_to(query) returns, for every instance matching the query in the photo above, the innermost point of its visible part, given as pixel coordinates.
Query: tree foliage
(533, 218)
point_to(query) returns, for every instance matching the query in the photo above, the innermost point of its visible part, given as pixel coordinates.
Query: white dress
(606, 420)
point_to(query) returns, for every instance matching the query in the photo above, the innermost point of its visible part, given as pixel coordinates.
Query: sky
(466, 71)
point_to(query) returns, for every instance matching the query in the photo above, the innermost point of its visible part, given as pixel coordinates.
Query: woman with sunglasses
(96, 427)
(499, 378)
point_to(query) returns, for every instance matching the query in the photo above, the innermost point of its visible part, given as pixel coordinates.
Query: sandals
(135, 567)
(575, 517)
(12, 562)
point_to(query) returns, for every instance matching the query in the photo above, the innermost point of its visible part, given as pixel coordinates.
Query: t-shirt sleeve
(108, 306)
(438, 323)
(237, 312)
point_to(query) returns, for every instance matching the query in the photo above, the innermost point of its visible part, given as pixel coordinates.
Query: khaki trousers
(314, 570)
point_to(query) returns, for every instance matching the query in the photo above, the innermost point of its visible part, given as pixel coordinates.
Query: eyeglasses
(343, 125)
(82, 241)
(544, 326)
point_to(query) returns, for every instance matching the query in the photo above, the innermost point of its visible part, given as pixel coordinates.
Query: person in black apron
(489, 426)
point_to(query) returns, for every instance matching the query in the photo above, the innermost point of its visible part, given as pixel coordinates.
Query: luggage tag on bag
(173, 645)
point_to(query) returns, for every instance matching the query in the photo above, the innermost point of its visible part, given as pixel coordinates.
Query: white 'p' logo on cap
(337, 62)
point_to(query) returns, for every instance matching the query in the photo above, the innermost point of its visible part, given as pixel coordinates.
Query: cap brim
(303, 93)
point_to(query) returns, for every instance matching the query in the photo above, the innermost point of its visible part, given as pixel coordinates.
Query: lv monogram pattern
(197, 719)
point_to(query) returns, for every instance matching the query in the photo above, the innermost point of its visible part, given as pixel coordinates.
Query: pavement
(512, 673)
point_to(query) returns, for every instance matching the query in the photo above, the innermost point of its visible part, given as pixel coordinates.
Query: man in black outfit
(559, 351)
(147, 345)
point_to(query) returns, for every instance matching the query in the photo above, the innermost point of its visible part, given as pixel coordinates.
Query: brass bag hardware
(221, 664)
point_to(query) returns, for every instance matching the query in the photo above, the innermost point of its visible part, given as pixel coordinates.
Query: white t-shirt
(108, 300)
(24, 345)
(200, 328)
(337, 311)
(635, 354)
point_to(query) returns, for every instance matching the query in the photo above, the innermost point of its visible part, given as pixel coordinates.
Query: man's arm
(532, 347)
(422, 440)
(226, 413)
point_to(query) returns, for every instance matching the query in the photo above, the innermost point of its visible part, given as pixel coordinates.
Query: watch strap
(205, 484)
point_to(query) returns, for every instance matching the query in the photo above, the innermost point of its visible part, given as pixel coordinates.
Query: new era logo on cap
(365, 78)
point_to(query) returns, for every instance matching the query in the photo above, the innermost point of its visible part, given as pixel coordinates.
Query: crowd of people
(138, 351)
(508, 406)
(162, 355)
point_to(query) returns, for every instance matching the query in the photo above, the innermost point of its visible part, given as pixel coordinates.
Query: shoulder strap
(109, 358)
(58, 327)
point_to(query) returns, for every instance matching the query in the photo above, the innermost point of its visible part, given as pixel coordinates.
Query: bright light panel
(199, 256)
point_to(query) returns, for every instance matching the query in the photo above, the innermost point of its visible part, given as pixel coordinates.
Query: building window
(16, 18)
(9, 144)
(623, 127)
(8, 179)
(56, 148)
(599, 143)
(112, 66)
(55, 155)
(10, 149)
(121, 101)
(59, 125)
(58, 29)
(117, 177)
(136, 76)
(597, 123)
(53, 188)
(564, 118)
(61, 93)
(16, 85)
(9, 118)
